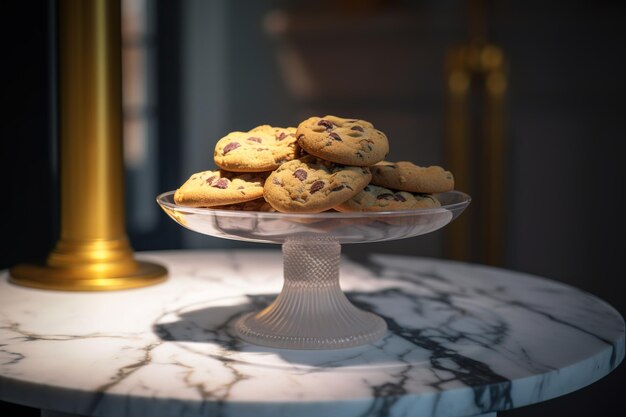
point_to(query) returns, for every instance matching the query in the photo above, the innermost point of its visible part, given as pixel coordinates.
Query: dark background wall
(217, 70)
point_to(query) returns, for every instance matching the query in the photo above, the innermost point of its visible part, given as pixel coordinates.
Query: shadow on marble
(208, 329)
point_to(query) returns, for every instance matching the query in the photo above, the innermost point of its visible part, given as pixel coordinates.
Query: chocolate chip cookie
(343, 141)
(262, 149)
(374, 198)
(219, 187)
(312, 185)
(407, 176)
(253, 205)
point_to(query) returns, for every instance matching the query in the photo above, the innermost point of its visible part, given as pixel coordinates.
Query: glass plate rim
(466, 199)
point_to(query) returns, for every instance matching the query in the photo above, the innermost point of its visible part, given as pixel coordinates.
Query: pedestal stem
(311, 312)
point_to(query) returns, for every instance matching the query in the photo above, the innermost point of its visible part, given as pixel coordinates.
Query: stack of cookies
(326, 163)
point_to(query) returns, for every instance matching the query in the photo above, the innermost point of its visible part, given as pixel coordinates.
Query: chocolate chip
(300, 174)
(282, 136)
(384, 196)
(366, 142)
(316, 186)
(359, 154)
(327, 124)
(255, 139)
(230, 147)
(359, 128)
(210, 179)
(241, 187)
(399, 197)
(221, 183)
(337, 188)
(335, 136)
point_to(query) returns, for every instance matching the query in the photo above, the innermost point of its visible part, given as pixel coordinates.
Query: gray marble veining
(463, 340)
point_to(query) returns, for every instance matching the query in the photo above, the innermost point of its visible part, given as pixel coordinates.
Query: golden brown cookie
(312, 185)
(262, 149)
(343, 141)
(216, 188)
(374, 198)
(253, 205)
(407, 176)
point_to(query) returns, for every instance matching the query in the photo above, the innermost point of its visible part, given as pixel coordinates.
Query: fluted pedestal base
(311, 311)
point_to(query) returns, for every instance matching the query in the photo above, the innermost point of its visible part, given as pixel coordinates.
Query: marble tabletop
(463, 340)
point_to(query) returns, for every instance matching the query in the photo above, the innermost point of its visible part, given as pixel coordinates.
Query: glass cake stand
(311, 311)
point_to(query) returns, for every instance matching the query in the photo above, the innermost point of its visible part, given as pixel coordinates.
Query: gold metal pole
(477, 69)
(93, 252)
(494, 153)
(457, 150)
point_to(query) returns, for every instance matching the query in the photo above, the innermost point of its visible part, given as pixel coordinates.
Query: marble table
(463, 340)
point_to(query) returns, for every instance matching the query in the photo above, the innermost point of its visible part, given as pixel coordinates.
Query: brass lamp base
(98, 265)
(93, 253)
(73, 279)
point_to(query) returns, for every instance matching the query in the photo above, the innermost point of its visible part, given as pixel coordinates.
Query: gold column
(93, 252)
(476, 149)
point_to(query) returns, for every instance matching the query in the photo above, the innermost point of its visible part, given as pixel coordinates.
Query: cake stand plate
(311, 311)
